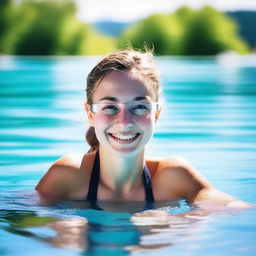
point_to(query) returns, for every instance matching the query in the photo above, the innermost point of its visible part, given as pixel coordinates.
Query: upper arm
(182, 179)
(58, 180)
(175, 178)
(196, 188)
(53, 183)
(192, 182)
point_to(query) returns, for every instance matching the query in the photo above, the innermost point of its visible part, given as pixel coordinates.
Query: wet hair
(142, 63)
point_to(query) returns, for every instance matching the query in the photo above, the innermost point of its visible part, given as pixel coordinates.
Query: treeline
(187, 32)
(50, 27)
(47, 27)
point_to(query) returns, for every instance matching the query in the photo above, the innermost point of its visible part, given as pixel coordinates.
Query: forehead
(123, 85)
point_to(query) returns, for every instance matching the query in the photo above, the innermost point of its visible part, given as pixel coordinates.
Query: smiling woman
(122, 108)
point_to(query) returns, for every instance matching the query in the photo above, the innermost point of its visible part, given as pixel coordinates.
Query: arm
(59, 180)
(185, 181)
(206, 193)
(212, 194)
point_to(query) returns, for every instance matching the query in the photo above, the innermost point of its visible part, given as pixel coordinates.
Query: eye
(110, 109)
(141, 108)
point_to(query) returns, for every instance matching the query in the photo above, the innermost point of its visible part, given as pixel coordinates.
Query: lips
(124, 138)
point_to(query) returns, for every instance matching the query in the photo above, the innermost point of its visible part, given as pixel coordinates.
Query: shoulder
(63, 175)
(70, 160)
(67, 164)
(176, 174)
(173, 161)
(171, 164)
(176, 165)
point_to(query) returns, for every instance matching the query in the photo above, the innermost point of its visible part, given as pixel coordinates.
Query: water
(209, 118)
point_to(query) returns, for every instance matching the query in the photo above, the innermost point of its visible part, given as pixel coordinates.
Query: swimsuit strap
(147, 185)
(94, 181)
(95, 178)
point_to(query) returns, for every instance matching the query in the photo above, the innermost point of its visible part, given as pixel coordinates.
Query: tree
(161, 30)
(42, 34)
(186, 32)
(210, 32)
(5, 21)
(47, 27)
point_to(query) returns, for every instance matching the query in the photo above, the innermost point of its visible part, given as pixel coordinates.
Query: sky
(131, 10)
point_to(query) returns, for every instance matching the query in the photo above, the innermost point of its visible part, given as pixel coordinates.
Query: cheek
(101, 123)
(101, 120)
(146, 122)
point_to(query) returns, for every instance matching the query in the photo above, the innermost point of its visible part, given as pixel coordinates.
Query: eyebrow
(139, 98)
(109, 98)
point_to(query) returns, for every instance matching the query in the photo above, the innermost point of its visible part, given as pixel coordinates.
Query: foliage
(96, 44)
(186, 32)
(160, 30)
(211, 32)
(5, 20)
(50, 27)
(47, 28)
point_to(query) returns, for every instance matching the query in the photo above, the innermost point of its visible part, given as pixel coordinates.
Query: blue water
(209, 118)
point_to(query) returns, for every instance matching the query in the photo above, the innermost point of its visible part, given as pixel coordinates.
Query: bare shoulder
(176, 164)
(63, 176)
(168, 164)
(174, 161)
(179, 165)
(66, 164)
(70, 160)
(177, 176)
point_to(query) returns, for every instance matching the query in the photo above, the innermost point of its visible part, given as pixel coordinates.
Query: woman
(122, 108)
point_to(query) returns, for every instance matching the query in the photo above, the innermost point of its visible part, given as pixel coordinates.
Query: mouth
(124, 138)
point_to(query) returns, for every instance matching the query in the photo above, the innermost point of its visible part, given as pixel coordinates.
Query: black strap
(95, 178)
(147, 185)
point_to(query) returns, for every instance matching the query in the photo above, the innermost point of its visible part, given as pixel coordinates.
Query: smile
(128, 138)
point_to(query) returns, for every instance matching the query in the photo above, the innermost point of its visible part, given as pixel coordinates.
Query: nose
(125, 118)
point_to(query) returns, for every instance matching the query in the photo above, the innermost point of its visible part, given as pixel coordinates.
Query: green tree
(47, 27)
(186, 32)
(184, 14)
(210, 32)
(50, 27)
(97, 44)
(79, 39)
(5, 22)
(41, 36)
(161, 30)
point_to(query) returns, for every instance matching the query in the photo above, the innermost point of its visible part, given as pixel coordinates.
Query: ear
(157, 114)
(89, 114)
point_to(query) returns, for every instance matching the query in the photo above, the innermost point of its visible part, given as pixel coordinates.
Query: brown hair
(119, 61)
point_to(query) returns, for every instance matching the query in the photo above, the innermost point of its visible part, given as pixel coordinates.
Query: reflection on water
(69, 225)
(208, 117)
(66, 226)
(68, 233)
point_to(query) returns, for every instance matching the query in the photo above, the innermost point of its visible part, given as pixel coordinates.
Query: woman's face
(123, 128)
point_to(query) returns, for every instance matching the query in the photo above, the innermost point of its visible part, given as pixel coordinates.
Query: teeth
(124, 137)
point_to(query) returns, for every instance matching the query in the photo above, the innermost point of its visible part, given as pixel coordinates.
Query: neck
(121, 174)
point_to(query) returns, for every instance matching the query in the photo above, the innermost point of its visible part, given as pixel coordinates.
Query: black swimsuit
(95, 177)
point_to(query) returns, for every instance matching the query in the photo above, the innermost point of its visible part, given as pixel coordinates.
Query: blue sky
(131, 10)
